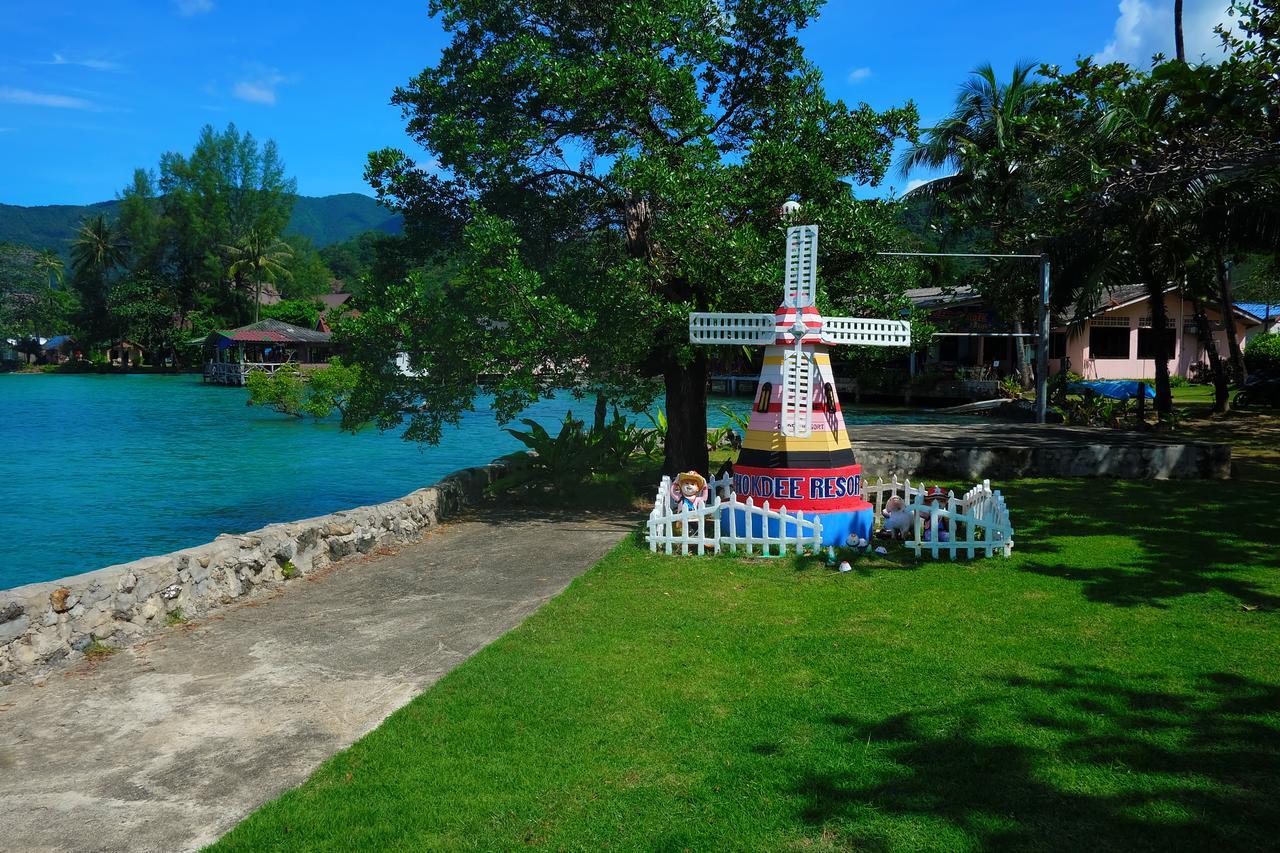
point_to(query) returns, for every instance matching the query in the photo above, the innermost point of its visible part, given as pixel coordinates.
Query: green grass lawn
(1113, 685)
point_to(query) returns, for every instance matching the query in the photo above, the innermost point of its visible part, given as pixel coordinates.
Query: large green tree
(227, 191)
(613, 166)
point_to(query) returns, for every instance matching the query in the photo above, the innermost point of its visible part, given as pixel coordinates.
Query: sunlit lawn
(1113, 685)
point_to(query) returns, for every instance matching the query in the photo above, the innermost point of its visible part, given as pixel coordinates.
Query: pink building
(1117, 341)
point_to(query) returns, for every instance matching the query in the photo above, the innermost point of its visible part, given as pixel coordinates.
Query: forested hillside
(325, 220)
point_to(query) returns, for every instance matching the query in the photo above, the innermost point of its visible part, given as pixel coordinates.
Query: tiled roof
(273, 331)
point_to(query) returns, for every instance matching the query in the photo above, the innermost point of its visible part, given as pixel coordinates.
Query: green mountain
(326, 220)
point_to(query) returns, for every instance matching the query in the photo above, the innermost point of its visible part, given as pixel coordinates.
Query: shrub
(1262, 354)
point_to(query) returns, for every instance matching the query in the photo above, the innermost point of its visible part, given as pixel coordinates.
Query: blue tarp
(1116, 389)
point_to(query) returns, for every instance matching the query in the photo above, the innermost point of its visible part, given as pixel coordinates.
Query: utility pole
(1042, 347)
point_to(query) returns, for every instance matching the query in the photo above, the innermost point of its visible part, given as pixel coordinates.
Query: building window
(1108, 342)
(1147, 343)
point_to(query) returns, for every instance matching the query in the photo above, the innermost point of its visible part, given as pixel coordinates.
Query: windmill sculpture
(796, 452)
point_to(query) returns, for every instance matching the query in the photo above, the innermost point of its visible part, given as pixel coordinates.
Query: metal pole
(1042, 351)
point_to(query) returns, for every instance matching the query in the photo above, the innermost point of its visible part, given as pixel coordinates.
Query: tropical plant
(259, 256)
(49, 264)
(742, 422)
(558, 463)
(618, 442)
(1010, 388)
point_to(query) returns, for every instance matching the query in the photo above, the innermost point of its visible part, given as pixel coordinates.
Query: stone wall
(46, 625)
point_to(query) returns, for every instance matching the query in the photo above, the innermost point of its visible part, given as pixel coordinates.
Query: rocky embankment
(47, 625)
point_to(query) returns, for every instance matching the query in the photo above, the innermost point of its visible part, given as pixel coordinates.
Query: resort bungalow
(268, 345)
(972, 342)
(125, 353)
(59, 349)
(1117, 341)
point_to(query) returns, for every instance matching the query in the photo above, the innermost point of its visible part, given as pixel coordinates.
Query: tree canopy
(611, 167)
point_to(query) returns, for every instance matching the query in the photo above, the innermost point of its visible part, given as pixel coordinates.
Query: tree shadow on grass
(1189, 538)
(1082, 758)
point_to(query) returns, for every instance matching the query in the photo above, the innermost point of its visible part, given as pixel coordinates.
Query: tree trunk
(1180, 46)
(1227, 304)
(1020, 366)
(602, 412)
(686, 385)
(1159, 323)
(1221, 384)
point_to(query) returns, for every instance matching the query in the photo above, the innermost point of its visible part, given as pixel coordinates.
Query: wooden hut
(268, 346)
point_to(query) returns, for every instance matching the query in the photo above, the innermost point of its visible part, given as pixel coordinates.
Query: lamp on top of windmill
(796, 452)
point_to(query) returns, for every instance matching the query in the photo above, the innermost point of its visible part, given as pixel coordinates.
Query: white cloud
(1145, 27)
(259, 88)
(25, 97)
(95, 64)
(857, 75)
(191, 8)
(914, 184)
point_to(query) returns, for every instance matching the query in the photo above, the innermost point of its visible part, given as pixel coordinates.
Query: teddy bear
(897, 520)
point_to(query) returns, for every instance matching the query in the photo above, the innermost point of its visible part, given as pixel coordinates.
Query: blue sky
(89, 90)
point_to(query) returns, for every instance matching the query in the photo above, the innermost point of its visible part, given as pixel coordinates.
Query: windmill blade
(797, 394)
(802, 266)
(720, 328)
(858, 331)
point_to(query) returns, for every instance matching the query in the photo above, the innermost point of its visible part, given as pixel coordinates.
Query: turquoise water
(99, 470)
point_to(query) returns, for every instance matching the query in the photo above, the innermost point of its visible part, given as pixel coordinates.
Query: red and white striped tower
(796, 452)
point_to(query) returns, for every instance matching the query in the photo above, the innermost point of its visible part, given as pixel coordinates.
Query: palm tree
(990, 142)
(98, 248)
(49, 262)
(259, 256)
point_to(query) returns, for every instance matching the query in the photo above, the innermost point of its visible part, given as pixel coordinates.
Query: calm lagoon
(101, 470)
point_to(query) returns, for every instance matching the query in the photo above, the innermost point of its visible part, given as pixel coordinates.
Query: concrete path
(169, 744)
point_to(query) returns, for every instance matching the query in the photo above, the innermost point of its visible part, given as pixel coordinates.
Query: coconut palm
(49, 263)
(990, 142)
(259, 256)
(98, 249)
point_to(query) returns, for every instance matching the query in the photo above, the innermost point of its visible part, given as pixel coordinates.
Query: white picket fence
(695, 531)
(977, 522)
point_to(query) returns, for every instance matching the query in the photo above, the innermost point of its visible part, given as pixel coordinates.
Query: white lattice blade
(797, 394)
(721, 328)
(801, 277)
(865, 332)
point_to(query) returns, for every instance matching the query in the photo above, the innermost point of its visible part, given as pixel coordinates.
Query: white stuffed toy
(897, 520)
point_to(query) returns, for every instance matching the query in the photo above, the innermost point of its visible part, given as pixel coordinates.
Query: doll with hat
(688, 492)
(932, 497)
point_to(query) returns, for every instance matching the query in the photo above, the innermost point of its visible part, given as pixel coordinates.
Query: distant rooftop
(272, 332)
